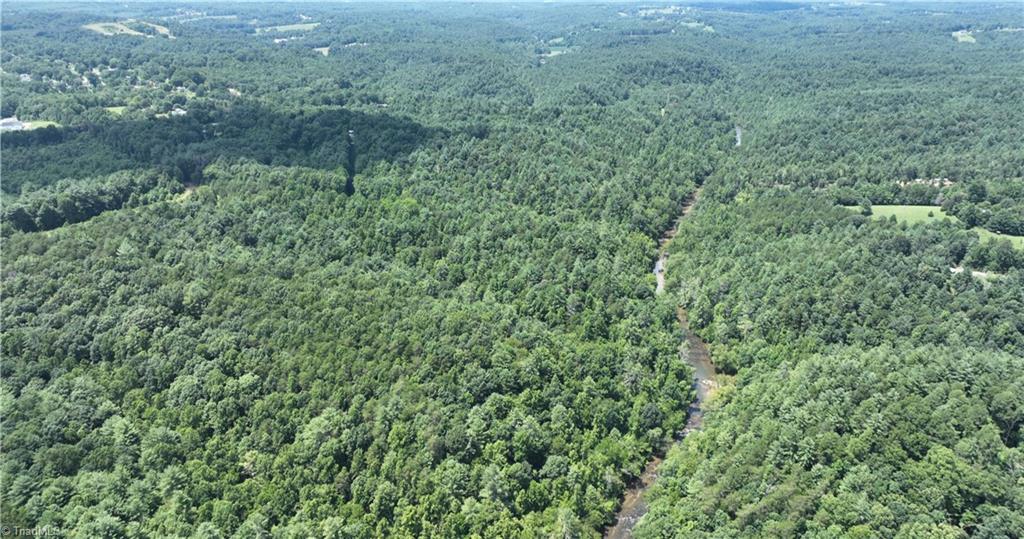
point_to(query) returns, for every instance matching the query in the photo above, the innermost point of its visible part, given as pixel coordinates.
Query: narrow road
(695, 353)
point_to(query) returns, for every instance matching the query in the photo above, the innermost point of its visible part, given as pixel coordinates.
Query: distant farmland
(922, 214)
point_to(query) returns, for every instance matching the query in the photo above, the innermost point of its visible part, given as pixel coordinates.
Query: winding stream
(695, 352)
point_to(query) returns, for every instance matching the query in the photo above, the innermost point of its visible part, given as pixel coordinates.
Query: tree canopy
(353, 270)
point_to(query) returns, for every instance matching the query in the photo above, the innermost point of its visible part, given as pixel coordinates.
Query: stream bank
(695, 352)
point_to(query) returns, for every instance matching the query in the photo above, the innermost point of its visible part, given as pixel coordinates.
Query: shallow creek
(695, 352)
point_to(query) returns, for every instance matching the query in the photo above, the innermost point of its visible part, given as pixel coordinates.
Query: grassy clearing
(111, 29)
(985, 235)
(923, 214)
(162, 30)
(964, 36)
(117, 111)
(559, 50)
(39, 124)
(654, 12)
(699, 25)
(116, 28)
(911, 214)
(288, 28)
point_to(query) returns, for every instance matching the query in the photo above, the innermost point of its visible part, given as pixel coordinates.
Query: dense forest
(878, 394)
(356, 270)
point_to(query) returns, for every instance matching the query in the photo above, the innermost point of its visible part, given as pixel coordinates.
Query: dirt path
(695, 352)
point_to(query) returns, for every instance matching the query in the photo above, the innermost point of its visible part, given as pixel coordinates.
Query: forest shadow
(183, 145)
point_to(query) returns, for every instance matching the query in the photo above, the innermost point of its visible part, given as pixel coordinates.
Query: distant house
(25, 77)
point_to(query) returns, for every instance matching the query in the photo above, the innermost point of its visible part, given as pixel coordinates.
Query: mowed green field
(288, 27)
(39, 124)
(921, 214)
(112, 29)
(912, 214)
(1017, 241)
